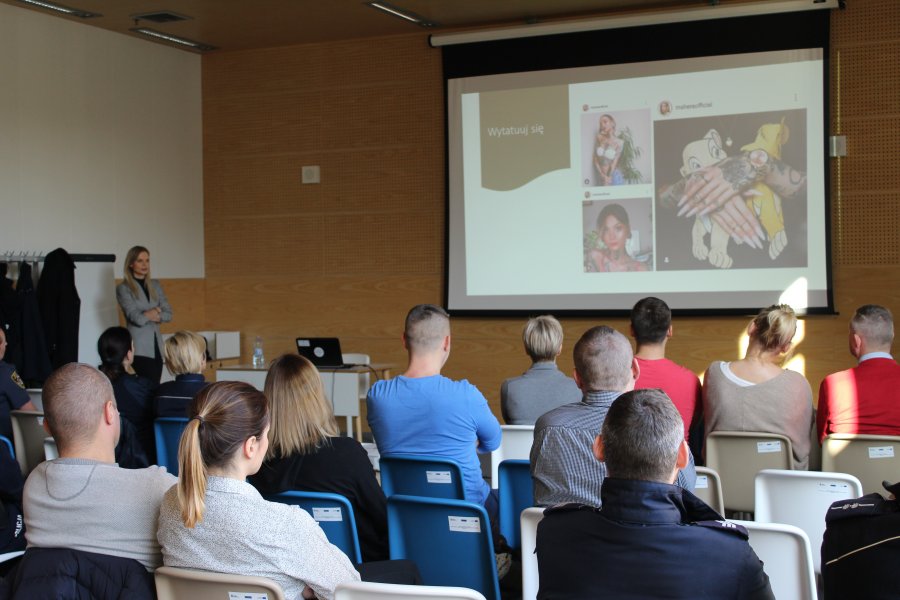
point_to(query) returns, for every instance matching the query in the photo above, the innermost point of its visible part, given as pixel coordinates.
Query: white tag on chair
(248, 596)
(324, 513)
(835, 487)
(702, 482)
(881, 452)
(465, 524)
(437, 477)
(767, 447)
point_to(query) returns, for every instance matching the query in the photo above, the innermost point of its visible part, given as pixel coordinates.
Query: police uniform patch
(17, 380)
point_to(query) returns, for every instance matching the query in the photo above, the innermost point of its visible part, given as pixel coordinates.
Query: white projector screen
(564, 186)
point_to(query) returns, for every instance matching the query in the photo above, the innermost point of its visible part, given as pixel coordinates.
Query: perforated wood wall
(349, 256)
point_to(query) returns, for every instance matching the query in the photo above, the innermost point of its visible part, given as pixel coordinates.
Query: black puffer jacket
(64, 574)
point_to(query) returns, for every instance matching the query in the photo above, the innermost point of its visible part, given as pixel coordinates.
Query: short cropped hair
(185, 352)
(650, 320)
(74, 397)
(543, 338)
(426, 326)
(642, 433)
(874, 323)
(603, 358)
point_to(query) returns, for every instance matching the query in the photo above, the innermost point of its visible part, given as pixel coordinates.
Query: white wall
(100, 143)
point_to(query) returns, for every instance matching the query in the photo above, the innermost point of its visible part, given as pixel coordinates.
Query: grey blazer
(143, 331)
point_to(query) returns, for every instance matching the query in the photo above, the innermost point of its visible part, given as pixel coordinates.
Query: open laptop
(322, 352)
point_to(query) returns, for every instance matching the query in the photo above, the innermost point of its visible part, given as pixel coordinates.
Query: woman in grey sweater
(756, 393)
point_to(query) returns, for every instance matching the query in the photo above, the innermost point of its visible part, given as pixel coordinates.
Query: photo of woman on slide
(613, 146)
(607, 245)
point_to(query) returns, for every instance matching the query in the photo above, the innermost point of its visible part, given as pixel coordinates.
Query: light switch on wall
(310, 174)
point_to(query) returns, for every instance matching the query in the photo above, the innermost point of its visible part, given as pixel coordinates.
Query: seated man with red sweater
(866, 398)
(651, 328)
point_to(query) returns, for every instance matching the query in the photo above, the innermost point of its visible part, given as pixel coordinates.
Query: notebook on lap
(322, 352)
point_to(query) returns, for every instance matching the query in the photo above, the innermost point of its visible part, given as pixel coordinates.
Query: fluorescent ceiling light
(715, 11)
(403, 14)
(159, 35)
(66, 10)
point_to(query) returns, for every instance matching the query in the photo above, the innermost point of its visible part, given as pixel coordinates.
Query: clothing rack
(16, 256)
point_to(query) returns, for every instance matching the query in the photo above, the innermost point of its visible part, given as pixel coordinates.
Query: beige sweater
(781, 405)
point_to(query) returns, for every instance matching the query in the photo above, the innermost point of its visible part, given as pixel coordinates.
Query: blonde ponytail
(191, 475)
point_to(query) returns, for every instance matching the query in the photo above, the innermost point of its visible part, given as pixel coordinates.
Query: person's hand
(738, 221)
(154, 314)
(708, 189)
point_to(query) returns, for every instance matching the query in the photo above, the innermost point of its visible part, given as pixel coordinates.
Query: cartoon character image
(767, 204)
(764, 202)
(696, 155)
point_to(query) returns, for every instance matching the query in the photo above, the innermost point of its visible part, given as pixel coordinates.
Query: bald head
(74, 398)
(426, 327)
(603, 360)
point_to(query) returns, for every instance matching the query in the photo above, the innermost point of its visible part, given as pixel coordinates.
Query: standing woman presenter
(145, 306)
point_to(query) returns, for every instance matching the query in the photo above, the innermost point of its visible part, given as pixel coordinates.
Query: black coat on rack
(35, 365)
(60, 307)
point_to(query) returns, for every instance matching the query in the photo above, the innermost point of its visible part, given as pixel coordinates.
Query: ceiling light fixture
(159, 35)
(714, 11)
(402, 13)
(66, 10)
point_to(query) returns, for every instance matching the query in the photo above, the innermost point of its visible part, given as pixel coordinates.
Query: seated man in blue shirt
(421, 412)
(650, 538)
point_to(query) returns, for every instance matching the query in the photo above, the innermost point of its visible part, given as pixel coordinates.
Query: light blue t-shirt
(435, 416)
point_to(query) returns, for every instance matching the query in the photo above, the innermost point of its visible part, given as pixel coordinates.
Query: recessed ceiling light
(66, 10)
(166, 37)
(402, 13)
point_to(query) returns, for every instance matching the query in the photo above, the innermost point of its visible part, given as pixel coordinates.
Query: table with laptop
(345, 383)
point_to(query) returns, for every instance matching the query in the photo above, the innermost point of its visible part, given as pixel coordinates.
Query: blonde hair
(543, 338)
(775, 326)
(302, 418)
(185, 352)
(128, 275)
(223, 416)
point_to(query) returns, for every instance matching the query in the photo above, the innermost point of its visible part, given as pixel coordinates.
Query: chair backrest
(367, 590)
(449, 540)
(787, 558)
(333, 513)
(737, 456)
(36, 395)
(709, 489)
(516, 494)
(5, 440)
(51, 452)
(515, 444)
(175, 584)
(530, 582)
(871, 458)
(168, 432)
(802, 498)
(429, 476)
(28, 438)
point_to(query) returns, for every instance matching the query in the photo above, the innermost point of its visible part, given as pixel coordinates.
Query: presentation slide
(701, 181)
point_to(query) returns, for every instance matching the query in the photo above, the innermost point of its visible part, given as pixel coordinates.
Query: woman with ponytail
(213, 520)
(756, 393)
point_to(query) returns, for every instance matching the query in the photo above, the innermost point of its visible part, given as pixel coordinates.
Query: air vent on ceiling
(160, 16)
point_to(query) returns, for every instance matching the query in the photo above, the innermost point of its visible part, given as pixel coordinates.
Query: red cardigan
(864, 399)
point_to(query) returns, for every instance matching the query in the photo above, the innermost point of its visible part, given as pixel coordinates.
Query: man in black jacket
(650, 538)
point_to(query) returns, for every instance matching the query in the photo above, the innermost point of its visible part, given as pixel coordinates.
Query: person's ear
(751, 328)
(635, 369)
(631, 330)
(405, 341)
(669, 332)
(855, 344)
(251, 447)
(110, 414)
(683, 455)
(446, 344)
(577, 379)
(599, 453)
(46, 426)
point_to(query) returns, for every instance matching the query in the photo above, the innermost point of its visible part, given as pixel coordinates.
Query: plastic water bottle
(259, 360)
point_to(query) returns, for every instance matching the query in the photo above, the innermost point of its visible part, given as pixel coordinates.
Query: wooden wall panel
(349, 256)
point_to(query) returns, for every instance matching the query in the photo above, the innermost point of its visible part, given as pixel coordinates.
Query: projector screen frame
(519, 56)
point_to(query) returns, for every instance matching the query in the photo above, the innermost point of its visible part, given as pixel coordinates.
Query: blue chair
(168, 432)
(449, 540)
(5, 440)
(516, 494)
(428, 476)
(333, 513)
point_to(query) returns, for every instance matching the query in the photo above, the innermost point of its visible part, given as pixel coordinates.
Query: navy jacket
(173, 397)
(64, 574)
(649, 540)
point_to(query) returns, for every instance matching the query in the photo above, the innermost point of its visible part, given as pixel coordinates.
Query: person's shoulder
(157, 476)
(557, 417)
(713, 528)
(568, 508)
